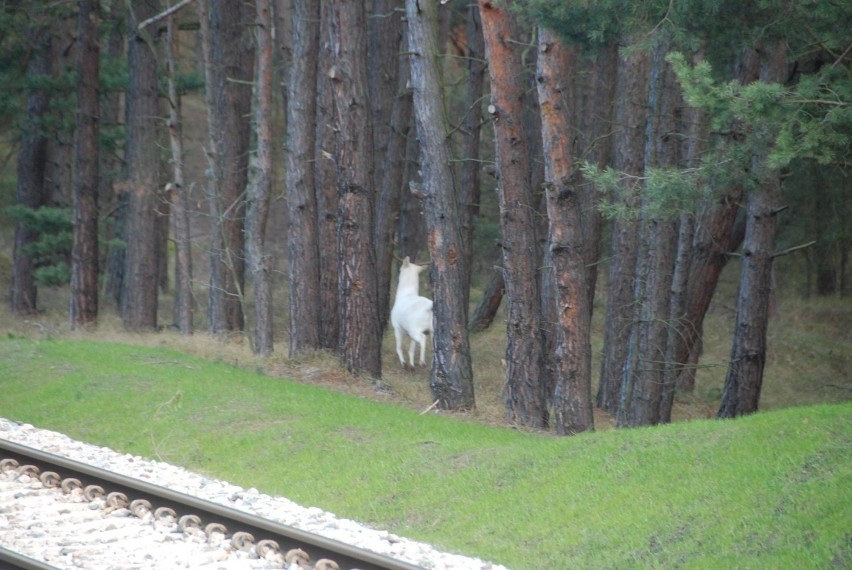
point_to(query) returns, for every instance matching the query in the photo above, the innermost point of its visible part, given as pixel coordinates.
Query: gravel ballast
(41, 541)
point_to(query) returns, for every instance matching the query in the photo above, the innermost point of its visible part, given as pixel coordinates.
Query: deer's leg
(412, 346)
(423, 349)
(420, 339)
(398, 334)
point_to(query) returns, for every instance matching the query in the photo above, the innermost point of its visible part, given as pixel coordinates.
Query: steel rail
(317, 547)
(9, 559)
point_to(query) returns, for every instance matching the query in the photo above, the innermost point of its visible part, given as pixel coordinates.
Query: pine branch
(792, 249)
(164, 14)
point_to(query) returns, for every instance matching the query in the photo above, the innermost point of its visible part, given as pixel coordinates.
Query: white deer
(411, 315)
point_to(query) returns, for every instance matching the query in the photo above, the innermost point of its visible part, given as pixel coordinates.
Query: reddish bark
(572, 399)
(526, 377)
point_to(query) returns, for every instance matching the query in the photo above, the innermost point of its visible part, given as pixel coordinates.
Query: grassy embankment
(767, 491)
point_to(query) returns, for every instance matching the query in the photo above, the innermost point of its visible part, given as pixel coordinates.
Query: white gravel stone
(151, 549)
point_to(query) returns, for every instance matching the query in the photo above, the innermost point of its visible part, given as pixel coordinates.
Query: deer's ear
(406, 261)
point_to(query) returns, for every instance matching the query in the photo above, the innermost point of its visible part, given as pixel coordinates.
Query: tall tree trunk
(393, 186)
(84, 253)
(117, 257)
(703, 256)
(163, 224)
(391, 111)
(384, 34)
(484, 313)
(451, 380)
(411, 228)
(302, 230)
(326, 188)
(526, 378)
(572, 398)
(260, 187)
(695, 128)
(140, 292)
(744, 379)
(32, 189)
(359, 345)
(677, 310)
(469, 174)
(643, 371)
(595, 145)
(60, 154)
(230, 71)
(110, 169)
(177, 193)
(825, 263)
(627, 156)
(845, 246)
(717, 234)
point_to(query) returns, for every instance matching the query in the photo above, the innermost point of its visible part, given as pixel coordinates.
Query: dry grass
(808, 361)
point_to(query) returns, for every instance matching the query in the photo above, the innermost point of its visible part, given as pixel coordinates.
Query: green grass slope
(767, 491)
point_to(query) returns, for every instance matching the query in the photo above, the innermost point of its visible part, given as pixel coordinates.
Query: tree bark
(177, 192)
(825, 265)
(32, 189)
(411, 228)
(302, 230)
(595, 144)
(260, 186)
(627, 154)
(326, 189)
(741, 394)
(140, 291)
(451, 379)
(163, 224)
(84, 252)
(110, 169)
(702, 256)
(60, 154)
(469, 174)
(391, 108)
(643, 371)
(572, 398)
(526, 378)
(393, 186)
(384, 36)
(230, 71)
(117, 256)
(695, 128)
(492, 296)
(359, 345)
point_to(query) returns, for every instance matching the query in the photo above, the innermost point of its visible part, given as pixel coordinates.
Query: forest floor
(809, 358)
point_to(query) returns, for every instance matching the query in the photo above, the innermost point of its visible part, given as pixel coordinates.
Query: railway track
(250, 535)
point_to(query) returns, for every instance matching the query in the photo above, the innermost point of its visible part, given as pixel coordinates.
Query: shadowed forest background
(634, 212)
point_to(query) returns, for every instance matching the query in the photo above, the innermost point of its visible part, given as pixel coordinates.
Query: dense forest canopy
(624, 151)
